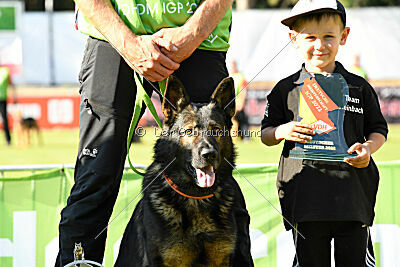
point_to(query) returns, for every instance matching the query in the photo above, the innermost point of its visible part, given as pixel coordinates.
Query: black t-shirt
(311, 190)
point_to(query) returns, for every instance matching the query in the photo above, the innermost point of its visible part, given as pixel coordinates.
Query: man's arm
(142, 51)
(196, 29)
(13, 91)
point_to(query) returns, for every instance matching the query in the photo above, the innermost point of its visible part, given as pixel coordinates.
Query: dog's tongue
(205, 176)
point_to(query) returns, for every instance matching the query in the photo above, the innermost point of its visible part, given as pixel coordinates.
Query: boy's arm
(291, 131)
(278, 124)
(365, 150)
(375, 129)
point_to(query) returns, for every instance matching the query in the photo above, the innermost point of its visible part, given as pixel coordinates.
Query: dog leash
(141, 98)
(175, 187)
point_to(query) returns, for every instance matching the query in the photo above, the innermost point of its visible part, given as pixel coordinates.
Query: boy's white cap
(314, 6)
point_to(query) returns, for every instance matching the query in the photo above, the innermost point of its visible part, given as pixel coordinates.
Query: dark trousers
(108, 95)
(3, 111)
(352, 244)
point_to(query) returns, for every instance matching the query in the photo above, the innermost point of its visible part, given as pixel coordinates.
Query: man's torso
(149, 16)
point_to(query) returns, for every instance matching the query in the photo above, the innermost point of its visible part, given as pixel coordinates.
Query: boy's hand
(294, 131)
(363, 157)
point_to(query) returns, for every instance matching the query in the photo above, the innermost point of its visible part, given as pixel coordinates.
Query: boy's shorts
(352, 244)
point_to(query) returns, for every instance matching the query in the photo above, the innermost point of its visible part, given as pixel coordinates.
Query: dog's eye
(189, 132)
(216, 131)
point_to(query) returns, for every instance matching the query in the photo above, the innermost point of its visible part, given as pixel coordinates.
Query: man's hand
(294, 131)
(180, 38)
(196, 29)
(363, 157)
(144, 52)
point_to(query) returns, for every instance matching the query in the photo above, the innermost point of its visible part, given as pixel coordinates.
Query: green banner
(30, 211)
(7, 19)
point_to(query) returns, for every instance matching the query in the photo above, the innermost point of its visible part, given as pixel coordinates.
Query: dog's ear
(224, 96)
(175, 98)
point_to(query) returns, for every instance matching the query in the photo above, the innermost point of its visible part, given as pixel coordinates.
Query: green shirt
(358, 71)
(149, 16)
(238, 79)
(4, 74)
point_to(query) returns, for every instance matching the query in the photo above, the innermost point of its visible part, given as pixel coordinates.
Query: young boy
(326, 200)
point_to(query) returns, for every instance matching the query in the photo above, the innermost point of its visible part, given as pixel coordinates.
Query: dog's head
(200, 132)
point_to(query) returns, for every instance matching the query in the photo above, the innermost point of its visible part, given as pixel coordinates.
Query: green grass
(60, 147)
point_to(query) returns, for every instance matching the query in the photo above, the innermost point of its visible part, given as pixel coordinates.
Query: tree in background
(39, 5)
(363, 3)
(61, 5)
(291, 3)
(34, 5)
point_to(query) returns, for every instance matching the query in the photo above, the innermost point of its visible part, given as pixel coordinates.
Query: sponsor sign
(49, 112)
(10, 36)
(30, 212)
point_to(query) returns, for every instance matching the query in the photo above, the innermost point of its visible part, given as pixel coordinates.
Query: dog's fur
(166, 228)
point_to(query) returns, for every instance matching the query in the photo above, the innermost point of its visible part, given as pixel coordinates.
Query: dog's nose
(209, 154)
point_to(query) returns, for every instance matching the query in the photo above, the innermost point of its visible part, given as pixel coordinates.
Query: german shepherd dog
(23, 129)
(186, 216)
